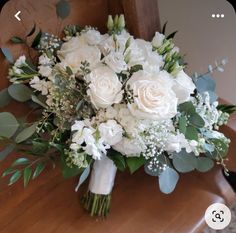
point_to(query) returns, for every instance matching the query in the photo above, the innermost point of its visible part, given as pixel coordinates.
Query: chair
(50, 203)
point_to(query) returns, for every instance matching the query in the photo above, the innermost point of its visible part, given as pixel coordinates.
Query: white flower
(77, 126)
(115, 61)
(44, 60)
(20, 61)
(183, 87)
(40, 85)
(110, 132)
(158, 39)
(153, 96)
(45, 71)
(92, 36)
(104, 88)
(76, 51)
(110, 113)
(130, 147)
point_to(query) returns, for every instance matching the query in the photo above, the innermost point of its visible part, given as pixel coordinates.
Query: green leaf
(38, 170)
(163, 31)
(68, 70)
(26, 133)
(16, 176)
(5, 98)
(182, 124)
(135, 68)
(7, 54)
(27, 175)
(39, 148)
(83, 177)
(63, 9)
(205, 83)
(38, 101)
(187, 107)
(184, 162)
(6, 151)
(172, 35)
(8, 124)
(20, 161)
(204, 164)
(117, 158)
(221, 148)
(168, 180)
(191, 133)
(17, 40)
(196, 120)
(226, 108)
(8, 171)
(32, 31)
(20, 92)
(37, 39)
(134, 163)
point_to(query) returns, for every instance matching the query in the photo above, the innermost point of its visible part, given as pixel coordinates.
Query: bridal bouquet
(102, 102)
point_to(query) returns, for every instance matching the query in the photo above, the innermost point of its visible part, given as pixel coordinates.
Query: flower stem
(97, 204)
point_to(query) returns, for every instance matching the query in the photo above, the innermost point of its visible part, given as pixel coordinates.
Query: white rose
(158, 39)
(115, 61)
(183, 87)
(75, 51)
(104, 88)
(153, 96)
(130, 147)
(110, 132)
(92, 37)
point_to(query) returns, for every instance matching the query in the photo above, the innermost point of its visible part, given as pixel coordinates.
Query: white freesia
(40, 85)
(153, 96)
(20, 61)
(104, 88)
(110, 132)
(183, 87)
(158, 39)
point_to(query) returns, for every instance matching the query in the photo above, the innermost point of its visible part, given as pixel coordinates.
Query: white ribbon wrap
(102, 176)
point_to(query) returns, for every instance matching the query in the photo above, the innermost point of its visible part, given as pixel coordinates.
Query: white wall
(204, 39)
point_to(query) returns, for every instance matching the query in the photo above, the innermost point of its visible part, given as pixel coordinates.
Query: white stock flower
(153, 96)
(110, 132)
(20, 61)
(115, 61)
(130, 147)
(45, 71)
(104, 88)
(158, 39)
(40, 85)
(183, 87)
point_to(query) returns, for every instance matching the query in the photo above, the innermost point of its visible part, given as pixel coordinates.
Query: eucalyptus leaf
(152, 171)
(27, 175)
(191, 133)
(83, 177)
(38, 101)
(38, 170)
(182, 124)
(184, 162)
(168, 180)
(197, 120)
(204, 164)
(20, 92)
(187, 107)
(7, 54)
(26, 133)
(5, 98)
(16, 176)
(134, 163)
(8, 124)
(6, 151)
(63, 9)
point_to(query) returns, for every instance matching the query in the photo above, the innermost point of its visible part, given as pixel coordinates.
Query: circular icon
(218, 216)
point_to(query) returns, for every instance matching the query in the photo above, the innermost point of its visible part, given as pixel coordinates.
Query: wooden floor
(50, 204)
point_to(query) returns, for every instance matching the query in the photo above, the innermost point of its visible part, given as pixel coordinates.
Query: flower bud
(121, 22)
(110, 23)
(116, 19)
